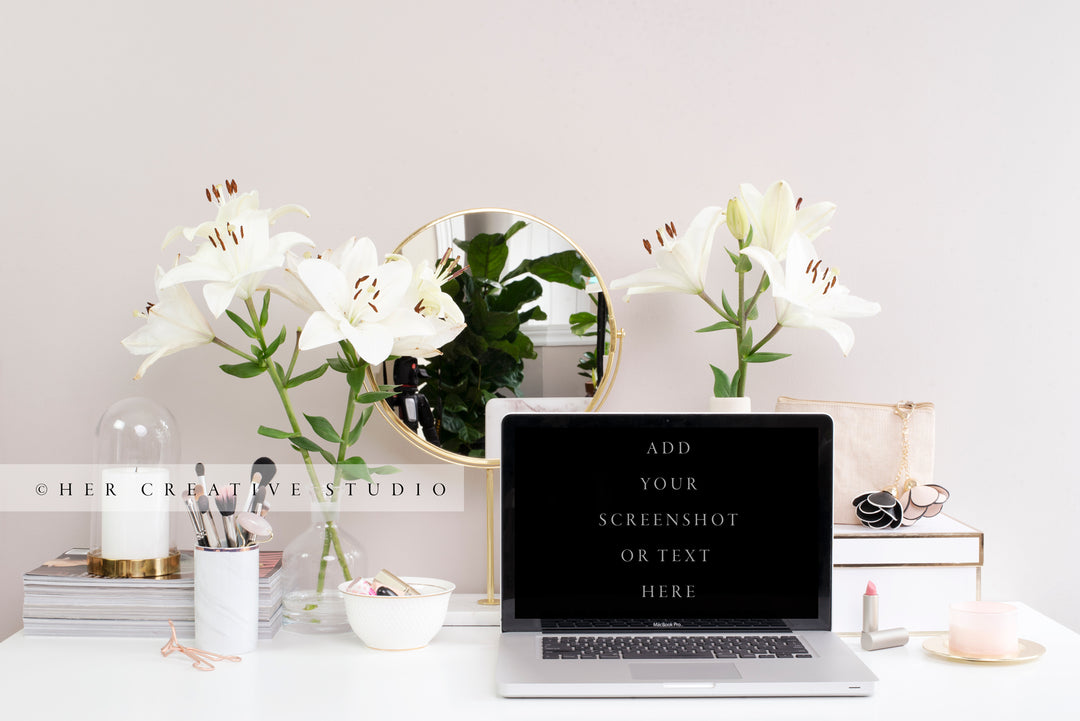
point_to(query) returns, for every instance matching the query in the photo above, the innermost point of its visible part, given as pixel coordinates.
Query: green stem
(720, 311)
(331, 530)
(231, 349)
(283, 393)
(757, 294)
(772, 333)
(295, 355)
(740, 332)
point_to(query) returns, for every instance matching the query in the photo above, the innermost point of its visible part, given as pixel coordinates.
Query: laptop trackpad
(683, 671)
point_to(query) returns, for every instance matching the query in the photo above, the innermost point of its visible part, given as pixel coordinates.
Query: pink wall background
(945, 132)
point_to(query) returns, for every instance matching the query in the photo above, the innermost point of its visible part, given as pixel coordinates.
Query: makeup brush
(226, 504)
(249, 504)
(260, 502)
(260, 496)
(200, 471)
(196, 521)
(208, 520)
(262, 471)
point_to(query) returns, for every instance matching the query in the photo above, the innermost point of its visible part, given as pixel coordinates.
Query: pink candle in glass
(982, 629)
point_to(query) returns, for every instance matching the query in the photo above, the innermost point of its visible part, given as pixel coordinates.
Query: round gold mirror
(539, 324)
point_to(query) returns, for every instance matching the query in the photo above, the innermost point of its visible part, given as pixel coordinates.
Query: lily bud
(736, 219)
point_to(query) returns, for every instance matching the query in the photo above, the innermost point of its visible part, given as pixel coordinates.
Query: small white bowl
(399, 623)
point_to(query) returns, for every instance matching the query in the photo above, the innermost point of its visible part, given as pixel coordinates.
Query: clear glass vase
(315, 563)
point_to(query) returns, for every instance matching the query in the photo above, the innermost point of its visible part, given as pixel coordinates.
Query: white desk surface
(303, 677)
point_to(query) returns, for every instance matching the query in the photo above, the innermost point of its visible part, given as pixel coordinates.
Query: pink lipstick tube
(870, 608)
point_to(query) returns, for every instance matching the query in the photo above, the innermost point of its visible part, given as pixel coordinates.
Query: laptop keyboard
(689, 646)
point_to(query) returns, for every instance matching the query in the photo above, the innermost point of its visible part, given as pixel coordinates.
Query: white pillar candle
(134, 513)
(983, 629)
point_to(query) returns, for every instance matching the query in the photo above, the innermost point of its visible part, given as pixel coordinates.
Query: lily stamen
(648, 246)
(373, 307)
(659, 238)
(670, 228)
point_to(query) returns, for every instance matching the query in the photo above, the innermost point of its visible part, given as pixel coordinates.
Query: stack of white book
(60, 598)
(918, 571)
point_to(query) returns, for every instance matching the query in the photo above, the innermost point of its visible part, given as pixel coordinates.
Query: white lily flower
(291, 288)
(681, 263)
(809, 296)
(360, 301)
(237, 248)
(442, 315)
(776, 217)
(173, 324)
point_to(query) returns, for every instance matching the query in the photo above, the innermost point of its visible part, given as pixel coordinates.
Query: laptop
(669, 555)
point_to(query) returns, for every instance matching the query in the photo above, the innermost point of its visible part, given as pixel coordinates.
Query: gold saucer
(1027, 651)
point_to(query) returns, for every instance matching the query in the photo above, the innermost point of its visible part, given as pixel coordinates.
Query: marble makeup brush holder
(227, 599)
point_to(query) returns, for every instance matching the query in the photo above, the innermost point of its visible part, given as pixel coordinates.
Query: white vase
(740, 404)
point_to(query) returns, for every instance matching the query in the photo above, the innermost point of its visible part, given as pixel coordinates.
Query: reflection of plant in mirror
(488, 357)
(583, 325)
(769, 228)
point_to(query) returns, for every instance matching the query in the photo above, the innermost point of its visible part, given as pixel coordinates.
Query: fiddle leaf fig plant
(487, 359)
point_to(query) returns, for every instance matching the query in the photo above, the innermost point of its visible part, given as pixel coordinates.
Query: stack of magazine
(60, 598)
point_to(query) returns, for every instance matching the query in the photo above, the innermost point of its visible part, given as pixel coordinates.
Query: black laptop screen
(694, 520)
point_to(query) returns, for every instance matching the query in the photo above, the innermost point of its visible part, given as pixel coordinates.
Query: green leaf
(494, 324)
(516, 294)
(485, 255)
(276, 343)
(264, 314)
(533, 313)
(338, 364)
(749, 238)
(727, 306)
(722, 325)
(582, 323)
(356, 378)
(274, 432)
(752, 314)
(309, 376)
(306, 444)
(354, 434)
(355, 469)
(384, 470)
(742, 262)
(374, 396)
(520, 347)
(566, 267)
(513, 229)
(248, 330)
(722, 387)
(323, 428)
(243, 370)
(766, 357)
